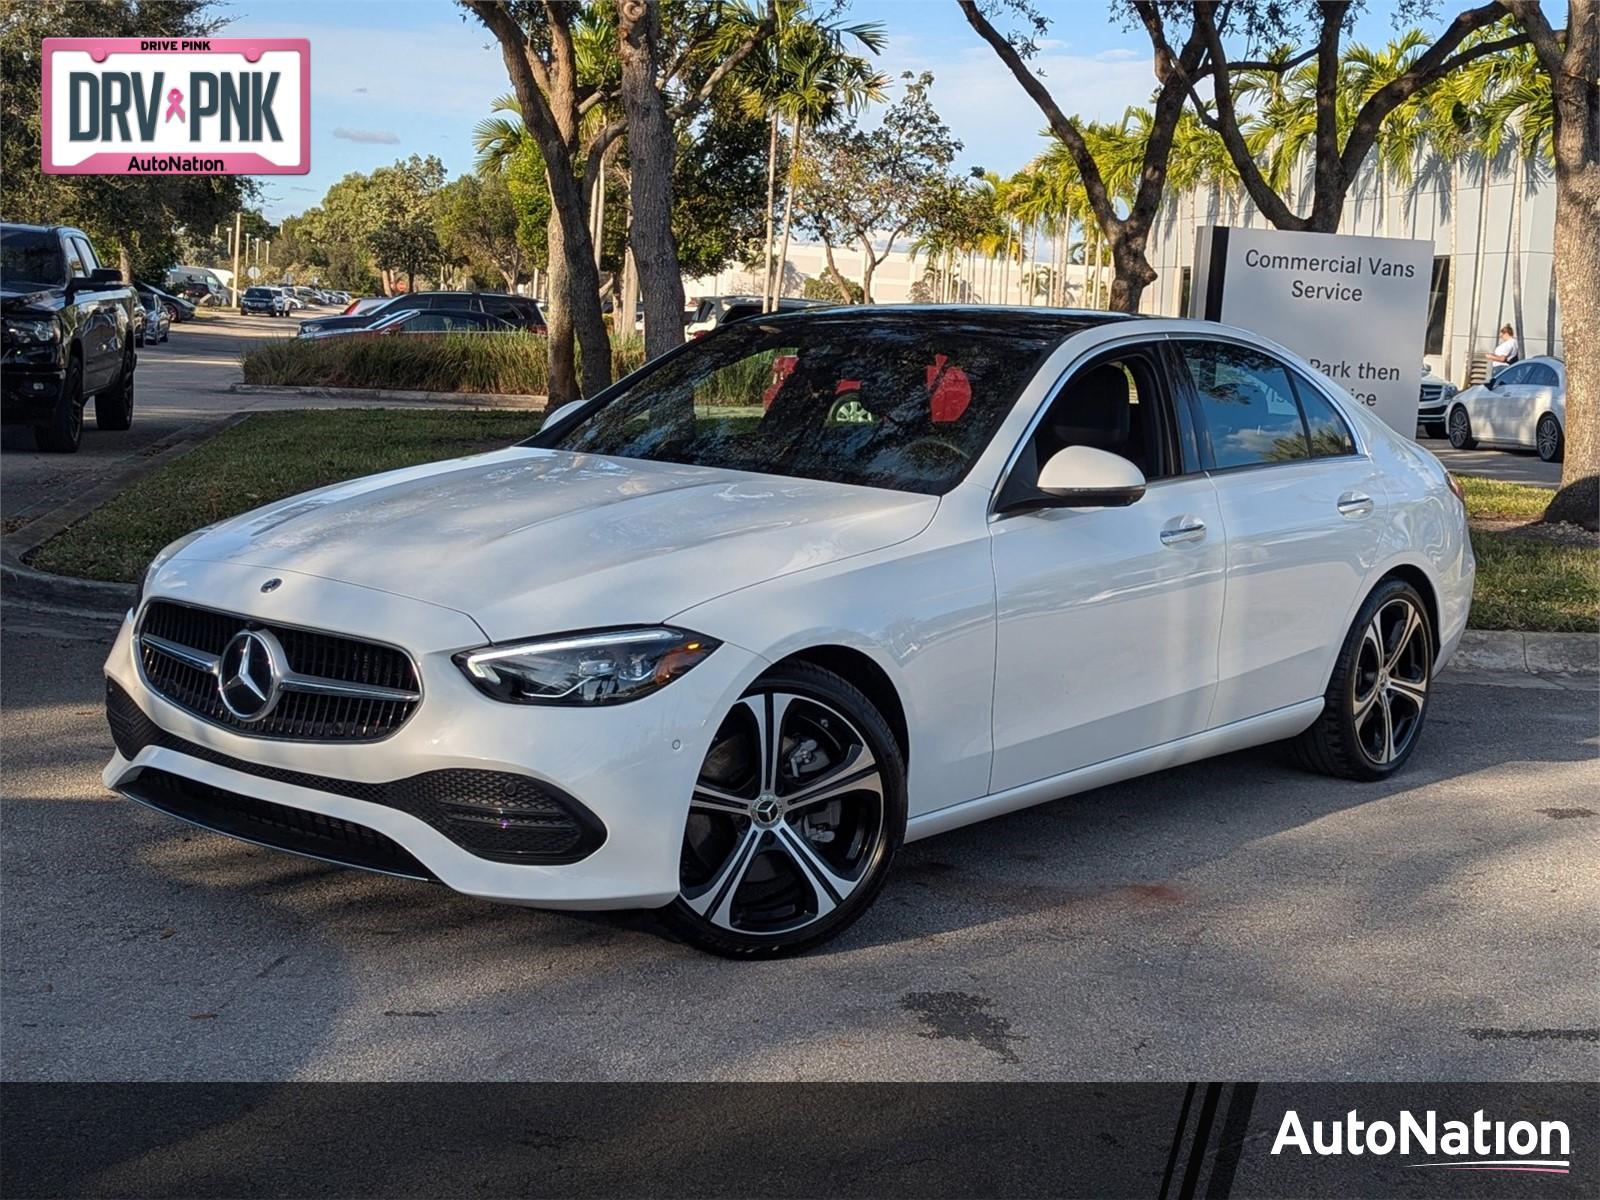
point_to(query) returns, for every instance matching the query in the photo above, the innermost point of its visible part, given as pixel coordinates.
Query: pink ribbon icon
(175, 105)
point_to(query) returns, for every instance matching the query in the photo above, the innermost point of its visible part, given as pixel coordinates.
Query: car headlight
(610, 667)
(31, 332)
(166, 555)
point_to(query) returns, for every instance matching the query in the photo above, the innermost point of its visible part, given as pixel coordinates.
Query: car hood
(25, 299)
(530, 541)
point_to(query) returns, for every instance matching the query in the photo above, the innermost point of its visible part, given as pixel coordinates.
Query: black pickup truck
(68, 330)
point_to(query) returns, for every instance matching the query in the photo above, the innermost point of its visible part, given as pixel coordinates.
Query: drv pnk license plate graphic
(176, 106)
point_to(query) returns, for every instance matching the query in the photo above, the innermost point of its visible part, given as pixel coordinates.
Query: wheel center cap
(766, 810)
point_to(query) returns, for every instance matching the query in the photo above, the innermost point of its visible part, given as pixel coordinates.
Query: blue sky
(391, 78)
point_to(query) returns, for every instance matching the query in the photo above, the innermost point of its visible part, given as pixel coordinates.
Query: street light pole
(238, 222)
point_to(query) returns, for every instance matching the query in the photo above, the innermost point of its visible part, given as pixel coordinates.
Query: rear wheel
(1459, 428)
(64, 429)
(1377, 698)
(796, 816)
(1551, 444)
(113, 408)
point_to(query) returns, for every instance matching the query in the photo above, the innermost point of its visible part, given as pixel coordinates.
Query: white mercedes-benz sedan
(1523, 405)
(719, 640)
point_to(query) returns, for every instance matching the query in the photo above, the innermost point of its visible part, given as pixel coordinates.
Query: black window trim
(1203, 429)
(1175, 406)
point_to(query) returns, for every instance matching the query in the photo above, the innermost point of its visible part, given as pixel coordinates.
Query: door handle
(1355, 504)
(1183, 529)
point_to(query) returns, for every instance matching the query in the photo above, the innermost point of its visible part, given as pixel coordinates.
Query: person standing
(1507, 350)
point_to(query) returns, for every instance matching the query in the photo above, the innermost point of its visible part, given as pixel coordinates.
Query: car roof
(990, 318)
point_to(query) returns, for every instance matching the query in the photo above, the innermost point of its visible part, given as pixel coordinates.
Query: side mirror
(98, 280)
(1083, 477)
(562, 413)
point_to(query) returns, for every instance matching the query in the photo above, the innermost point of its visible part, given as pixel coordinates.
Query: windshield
(904, 402)
(31, 256)
(259, 294)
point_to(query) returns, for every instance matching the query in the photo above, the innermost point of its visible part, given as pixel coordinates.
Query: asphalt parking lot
(1234, 919)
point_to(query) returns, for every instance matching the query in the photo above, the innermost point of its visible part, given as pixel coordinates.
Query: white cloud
(1122, 54)
(375, 137)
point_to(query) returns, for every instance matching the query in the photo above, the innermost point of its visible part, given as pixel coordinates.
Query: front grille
(275, 825)
(496, 815)
(298, 715)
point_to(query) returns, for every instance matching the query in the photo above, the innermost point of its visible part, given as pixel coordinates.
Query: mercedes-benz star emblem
(249, 674)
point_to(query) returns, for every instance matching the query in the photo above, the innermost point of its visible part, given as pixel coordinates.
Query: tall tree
(1126, 235)
(478, 218)
(536, 43)
(401, 231)
(1571, 60)
(868, 186)
(1342, 134)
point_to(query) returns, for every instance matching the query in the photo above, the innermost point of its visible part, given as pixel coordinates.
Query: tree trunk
(772, 194)
(1477, 268)
(651, 148)
(1518, 176)
(868, 266)
(834, 273)
(1573, 71)
(788, 216)
(125, 263)
(1455, 273)
(622, 313)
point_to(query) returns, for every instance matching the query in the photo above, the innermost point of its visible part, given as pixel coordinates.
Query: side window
(1117, 404)
(500, 306)
(76, 268)
(1512, 376)
(1541, 376)
(1248, 404)
(427, 322)
(1330, 436)
(86, 254)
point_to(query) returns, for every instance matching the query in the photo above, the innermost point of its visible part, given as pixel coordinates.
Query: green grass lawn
(267, 457)
(1528, 577)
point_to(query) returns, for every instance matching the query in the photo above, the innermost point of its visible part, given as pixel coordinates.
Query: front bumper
(29, 394)
(631, 766)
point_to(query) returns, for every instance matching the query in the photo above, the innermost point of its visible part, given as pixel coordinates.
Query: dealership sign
(176, 106)
(1356, 308)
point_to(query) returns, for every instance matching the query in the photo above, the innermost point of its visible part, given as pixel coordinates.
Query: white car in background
(1522, 406)
(719, 640)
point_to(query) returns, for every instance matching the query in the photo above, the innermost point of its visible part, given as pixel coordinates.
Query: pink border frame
(114, 162)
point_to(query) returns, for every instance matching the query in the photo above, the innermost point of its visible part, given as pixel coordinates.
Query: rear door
(1301, 504)
(1107, 618)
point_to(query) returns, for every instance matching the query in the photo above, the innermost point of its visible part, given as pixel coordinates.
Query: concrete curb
(458, 399)
(1533, 653)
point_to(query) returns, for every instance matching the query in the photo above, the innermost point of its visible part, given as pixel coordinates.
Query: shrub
(509, 363)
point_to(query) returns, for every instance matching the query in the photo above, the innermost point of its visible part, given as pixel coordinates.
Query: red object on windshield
(782, 367)
(350, 308)
(949, 391)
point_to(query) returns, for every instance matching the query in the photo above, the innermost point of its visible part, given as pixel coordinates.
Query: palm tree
(802, 74)
(1524, 109)
(1362, 72)
(1449, 127)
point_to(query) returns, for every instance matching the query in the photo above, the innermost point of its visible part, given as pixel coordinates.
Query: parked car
(157, 325)
(292, 302)
(518, 310)
(717, 311)
(1432, 402)
(963, 561)
(263, 301)
(178, 308)
(66, 334)
(425, 321)
(1523, 406)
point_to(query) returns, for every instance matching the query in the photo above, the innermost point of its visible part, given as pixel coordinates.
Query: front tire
(1377, 699)
(64, 430)
(1459, 429)
(113, 408)
(795, 819)
(1549, 440)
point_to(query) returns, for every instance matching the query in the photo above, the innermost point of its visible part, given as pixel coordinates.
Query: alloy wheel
(1460, 429)
(1390, 685)
(787, 818)
(1549, 438)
